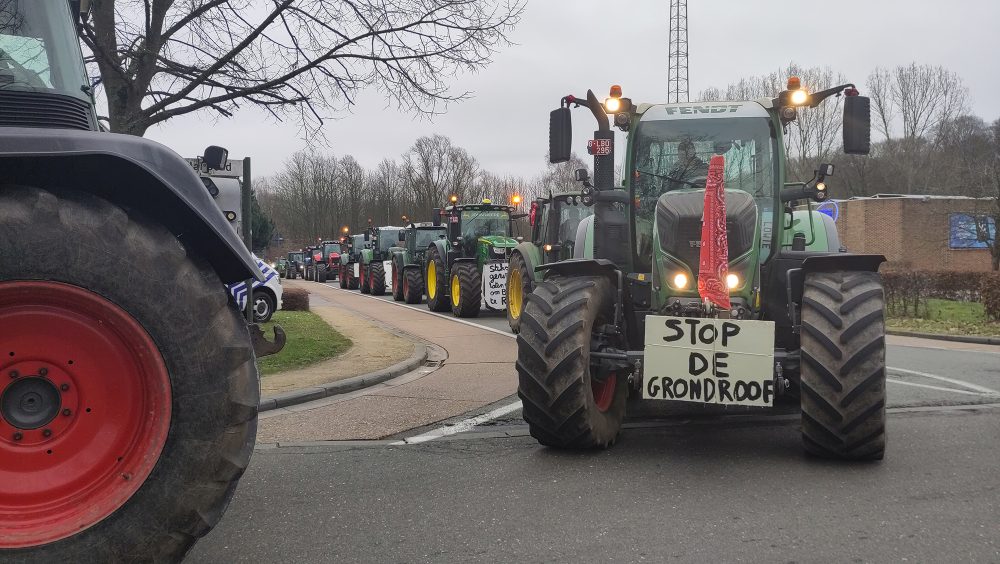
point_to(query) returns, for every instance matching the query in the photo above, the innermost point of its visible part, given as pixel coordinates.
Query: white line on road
(963, 383)
(892, 381)
(461, 426)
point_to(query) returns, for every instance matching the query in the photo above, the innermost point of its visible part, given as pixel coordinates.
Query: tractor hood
(499, 241)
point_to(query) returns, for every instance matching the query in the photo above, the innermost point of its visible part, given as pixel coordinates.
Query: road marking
(953, 390)
(963, 383)
(461, 426)
(434, 313)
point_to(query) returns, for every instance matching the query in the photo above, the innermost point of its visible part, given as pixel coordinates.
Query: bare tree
(158, 59)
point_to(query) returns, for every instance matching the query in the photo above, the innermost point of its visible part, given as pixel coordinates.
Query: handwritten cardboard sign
(495, 285)
(718, 361)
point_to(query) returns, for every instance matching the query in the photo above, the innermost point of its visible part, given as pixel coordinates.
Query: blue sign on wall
(967, 231)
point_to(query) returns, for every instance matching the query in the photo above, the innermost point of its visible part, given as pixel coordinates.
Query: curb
(313, 393)
(953, 338)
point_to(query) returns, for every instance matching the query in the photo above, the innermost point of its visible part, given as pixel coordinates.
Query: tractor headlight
(680, 281)
(612, 105)
(799, 97)
(732, 281)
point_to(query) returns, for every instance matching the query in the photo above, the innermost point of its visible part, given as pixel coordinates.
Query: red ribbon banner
(713, 266)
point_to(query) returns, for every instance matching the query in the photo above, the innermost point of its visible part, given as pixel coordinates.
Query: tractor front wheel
(321, 274)
(413, 286)
(363, 280)
(843, 365)
(437, 281)
(343, 277)
(568, 401)
(113, 444)
(466, 285)
(376, 283)
(519, 285)
(397, 283)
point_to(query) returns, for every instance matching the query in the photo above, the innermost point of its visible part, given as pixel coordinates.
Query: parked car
(266, 294)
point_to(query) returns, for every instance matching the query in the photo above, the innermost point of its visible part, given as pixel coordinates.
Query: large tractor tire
(321, 274)
(376, 278)
(413, 286)
(343, 277)
(397, 283)
(567, 402)
(363, 280)
(466, 289)
(520, 282)
(843, 365)
(129, 407)
(436, 279)
(353, 283)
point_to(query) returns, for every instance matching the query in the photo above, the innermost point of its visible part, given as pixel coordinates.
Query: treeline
(317, 195)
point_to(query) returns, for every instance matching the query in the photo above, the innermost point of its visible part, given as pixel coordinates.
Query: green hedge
(906, 292)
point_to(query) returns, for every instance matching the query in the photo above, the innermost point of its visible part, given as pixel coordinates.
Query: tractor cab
(479, 230)
(416, 238)
(559, 226)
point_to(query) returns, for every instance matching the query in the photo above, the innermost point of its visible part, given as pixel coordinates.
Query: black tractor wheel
(353, 283)
(466, 289)
(321, 273)
(376, 280)
(520, 282)
(164, 389)
(436, 278)
(343, 277)
(843, 365)
(363, 280)
(568, 402)
(264, 305)
(397, 283)
(413, 286)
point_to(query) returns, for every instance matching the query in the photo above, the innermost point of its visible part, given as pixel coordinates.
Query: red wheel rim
(604, 392)
(112, 410)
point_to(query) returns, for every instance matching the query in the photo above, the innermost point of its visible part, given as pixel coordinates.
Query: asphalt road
(679, 486)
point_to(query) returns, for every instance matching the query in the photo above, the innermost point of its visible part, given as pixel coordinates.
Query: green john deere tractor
(375, 259)
(805, 318)
(408, 260)
(350, 260)
(557, 222)
(468, 270)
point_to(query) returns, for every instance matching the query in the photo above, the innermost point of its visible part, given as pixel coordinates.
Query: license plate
(495, 285)
(711, 361)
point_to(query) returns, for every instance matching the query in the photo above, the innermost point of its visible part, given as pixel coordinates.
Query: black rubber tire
(363, 280)
(843, 365)
(413, 286)
(440, 301)
(321, 273)
(352, 281)
(376, 278)
(203, 341)
(397, 282)
(266, 296)
(553, 364)
(343, 277)
(470, 296)
(527, 284)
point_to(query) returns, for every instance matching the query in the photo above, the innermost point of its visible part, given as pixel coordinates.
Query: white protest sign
(495, 285)
(357, 273)
(387, 268)
(718, 361)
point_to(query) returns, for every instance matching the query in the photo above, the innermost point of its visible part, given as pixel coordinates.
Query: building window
(971, 231)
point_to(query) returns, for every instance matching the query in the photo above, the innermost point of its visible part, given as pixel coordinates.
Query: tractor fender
(441, 246)
(532, 257)
(133, 173)
(842, 261)
(464, 259)
(580, 267)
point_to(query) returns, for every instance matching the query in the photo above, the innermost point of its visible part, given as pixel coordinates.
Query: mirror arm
(817, 97)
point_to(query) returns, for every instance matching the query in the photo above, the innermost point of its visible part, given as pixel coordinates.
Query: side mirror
(857, 125)
(581, 175)
(215, 157)
(560, 135)
(436, 217)
(367, 236)
(402, 235)
(816, 191)
(825, 170)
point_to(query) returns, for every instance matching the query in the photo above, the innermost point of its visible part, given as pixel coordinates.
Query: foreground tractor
(295, 265)
(559, 231)
(732, 311)
(408, 260)
(375, 259)
(468, 270)
(128, 404)
(325, 261)
(350, 260)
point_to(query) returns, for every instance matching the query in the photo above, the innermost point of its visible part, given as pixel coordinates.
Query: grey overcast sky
(566, 47)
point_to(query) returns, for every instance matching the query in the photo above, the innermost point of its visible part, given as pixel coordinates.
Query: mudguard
(134, 173)
(577, 267)
(842, 261)
(532, 257)
(442, 249)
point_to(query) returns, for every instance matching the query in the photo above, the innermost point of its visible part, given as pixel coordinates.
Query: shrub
(295, 299)
(906, 292)
(989, 289)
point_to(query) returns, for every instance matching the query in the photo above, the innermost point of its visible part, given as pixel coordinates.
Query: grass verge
(950, 318)
(310, 340)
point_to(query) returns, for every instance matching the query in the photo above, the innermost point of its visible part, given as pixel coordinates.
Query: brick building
(918, 232)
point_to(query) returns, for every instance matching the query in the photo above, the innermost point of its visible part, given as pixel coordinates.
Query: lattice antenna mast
(677, 77)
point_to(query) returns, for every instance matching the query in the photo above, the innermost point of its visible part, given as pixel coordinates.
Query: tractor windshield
(571, 213)
(427, 236)
(483, 223)
(296, 257)
(331, 248)
(39, 50)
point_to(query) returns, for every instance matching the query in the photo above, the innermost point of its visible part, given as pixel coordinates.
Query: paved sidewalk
(479, 370)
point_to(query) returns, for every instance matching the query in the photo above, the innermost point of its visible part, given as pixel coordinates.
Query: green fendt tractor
(468, 270)
(350, 260)
(557, 223)
(128, 404)
(408, 260)
(375, 259)
(802, 320)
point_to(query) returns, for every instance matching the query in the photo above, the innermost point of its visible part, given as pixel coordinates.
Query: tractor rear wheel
(437, 281)
(843, 365)
(352, 281)
(363, 280)
(321, 273)
(466, 289)
(413, 286)
(397, 283)
(106, 385)
(568, 401)
(343, 277)
(519, 285)
(376, 278)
